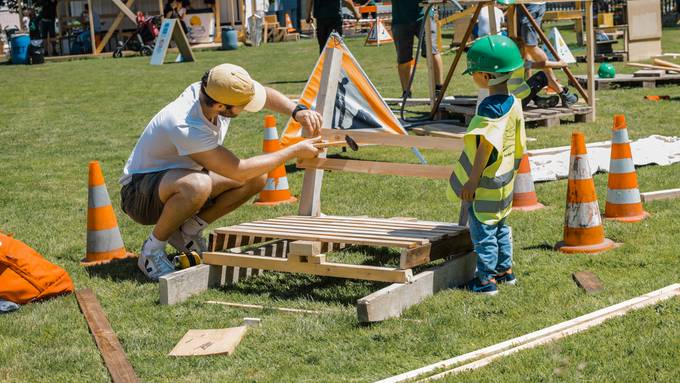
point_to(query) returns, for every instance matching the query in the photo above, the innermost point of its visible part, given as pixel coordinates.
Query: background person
(328, 16)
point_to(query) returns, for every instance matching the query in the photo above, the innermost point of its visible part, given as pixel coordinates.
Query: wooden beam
(218, 22)
(664, 63)
(310, 197)
(652, 66)
(399, 140)
(391, 301)
(112, 352)
(452, 246)
(114, 25)
(91, 22)
(539, 337)
(588, 281)
(590, 59)
(125, 10)
(337, 270)
(659, 195)
(373, 167)
(179, 286)
(260, 307)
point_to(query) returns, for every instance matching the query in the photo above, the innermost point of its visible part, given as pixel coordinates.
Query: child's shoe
(476, 286)
(507, 277)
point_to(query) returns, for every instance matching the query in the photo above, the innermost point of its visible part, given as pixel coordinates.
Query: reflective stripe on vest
(517, 86)
(493, 197)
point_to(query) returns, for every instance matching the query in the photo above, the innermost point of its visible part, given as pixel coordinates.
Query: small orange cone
(276, 189)
(524, 196)
(378, 34)
(623, 194)
(104, 242)
(289, 24)
(583, 230)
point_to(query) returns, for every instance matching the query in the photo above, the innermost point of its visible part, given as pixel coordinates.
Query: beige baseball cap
(230, 84)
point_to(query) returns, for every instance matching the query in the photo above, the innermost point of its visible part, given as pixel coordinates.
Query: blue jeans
(493, 245)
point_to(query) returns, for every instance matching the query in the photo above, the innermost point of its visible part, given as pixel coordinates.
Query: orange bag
(26, 276)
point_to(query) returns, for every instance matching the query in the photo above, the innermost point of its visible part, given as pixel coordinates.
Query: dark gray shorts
(403, 35)
(140, 198)
(527, 31)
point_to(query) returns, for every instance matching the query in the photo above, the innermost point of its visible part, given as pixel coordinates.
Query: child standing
(493, 147)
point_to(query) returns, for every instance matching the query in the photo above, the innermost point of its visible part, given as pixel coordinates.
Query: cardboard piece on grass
(358, 104)
(378, 34)
(209, 342)
(560, 46)
(171, 31)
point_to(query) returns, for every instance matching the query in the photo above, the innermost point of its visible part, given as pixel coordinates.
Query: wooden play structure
(298, 244)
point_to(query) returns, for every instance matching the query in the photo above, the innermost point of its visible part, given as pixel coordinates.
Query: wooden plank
(296, 235)
(533, 339)
(392, 300)
(383, 221)
(310, 197)
(665, 63)
(337, 270)
(650, 66)
(454, 246)
(659, 195)
(209, 342)
(590, 59)
(404, 141)
(336, 232)
(178, 286)
(434, 230)
(649, 73)
(588, 281)
(304, 248)
(124, 9)
(260, 307)
(374, 167)
(112, 352)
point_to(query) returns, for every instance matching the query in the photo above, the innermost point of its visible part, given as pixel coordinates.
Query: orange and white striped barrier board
(524, 196)
(623, 193)
(276, 189)
(583, 230)
(104, 242)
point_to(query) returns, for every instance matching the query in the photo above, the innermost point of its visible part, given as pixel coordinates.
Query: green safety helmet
(505, 2)
(494, 54)
(606, 70)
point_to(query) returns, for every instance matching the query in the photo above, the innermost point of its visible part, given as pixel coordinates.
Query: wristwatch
(298, 108)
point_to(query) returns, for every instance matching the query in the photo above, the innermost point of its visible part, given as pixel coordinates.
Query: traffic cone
(378, 34)
(583, 230)
(524, 196)
(104, 242)
(623, 194)
(276, 189)
(289, 24)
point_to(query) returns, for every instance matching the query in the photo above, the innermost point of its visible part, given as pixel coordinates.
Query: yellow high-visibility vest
(516, 84)
(493, 197)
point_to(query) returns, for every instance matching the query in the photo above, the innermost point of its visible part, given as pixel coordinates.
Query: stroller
(144, 37)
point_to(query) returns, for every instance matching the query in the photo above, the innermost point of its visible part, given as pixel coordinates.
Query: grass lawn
(56, 117)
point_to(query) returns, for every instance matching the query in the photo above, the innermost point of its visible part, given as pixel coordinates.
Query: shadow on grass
(118, 270)
(289, 286)
(542, 246)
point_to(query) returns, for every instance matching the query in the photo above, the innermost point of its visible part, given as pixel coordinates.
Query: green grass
(56, 117)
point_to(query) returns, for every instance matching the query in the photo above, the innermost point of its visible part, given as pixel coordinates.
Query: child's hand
(468, 192)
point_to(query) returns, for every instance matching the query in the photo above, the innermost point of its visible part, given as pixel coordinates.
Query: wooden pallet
(466, 110)
(628, 80)
(616, 56)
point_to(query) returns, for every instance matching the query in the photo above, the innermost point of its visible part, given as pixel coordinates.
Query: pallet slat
(292, 235)
(334, 232)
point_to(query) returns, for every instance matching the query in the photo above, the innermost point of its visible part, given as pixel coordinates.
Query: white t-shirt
(483, 25)
(176, 131)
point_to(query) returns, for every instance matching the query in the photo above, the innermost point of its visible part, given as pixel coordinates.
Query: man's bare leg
(405, 74)
(537, 55)
(229, 194)
(438, 69)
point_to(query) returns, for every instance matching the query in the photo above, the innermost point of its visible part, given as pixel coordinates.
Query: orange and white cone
(104, 242)
(276, 189)
(289, 24)
(623, 194)
(524, 195)
(583, 230)
(378, 34)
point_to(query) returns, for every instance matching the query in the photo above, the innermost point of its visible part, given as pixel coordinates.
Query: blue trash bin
(229, 39)
(20, 45)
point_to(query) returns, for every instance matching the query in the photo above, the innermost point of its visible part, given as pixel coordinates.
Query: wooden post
(232, 12)
(511, 21)
(160, 8)
(125, 10)
(454, 64)
(112, 28)
(590, 62)
(218, 22)
(493, 27)
(310, 197)
(428, 55)
(91, 21)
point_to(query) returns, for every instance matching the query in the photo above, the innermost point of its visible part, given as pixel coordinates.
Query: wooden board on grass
(209, 342)
(588, 281)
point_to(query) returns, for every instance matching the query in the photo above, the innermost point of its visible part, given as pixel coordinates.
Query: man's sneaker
(546, 102)
(568, 99)
(476, 286)
(507, 277)
(185, 243)
(154, 264)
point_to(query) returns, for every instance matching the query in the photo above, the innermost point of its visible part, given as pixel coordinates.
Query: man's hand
(310, 121)
(305, 150)
(468, 192)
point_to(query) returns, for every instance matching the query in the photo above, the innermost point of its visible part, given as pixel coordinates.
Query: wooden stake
(112, 352)
(590, 61)
(260, 307)
(660, 194)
